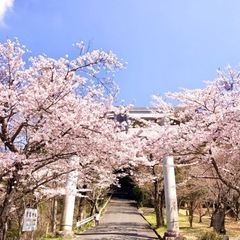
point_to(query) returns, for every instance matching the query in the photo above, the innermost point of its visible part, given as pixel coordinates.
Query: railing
(86, 220)
(82, 222)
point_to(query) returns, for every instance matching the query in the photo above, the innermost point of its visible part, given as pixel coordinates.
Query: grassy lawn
(232, 227)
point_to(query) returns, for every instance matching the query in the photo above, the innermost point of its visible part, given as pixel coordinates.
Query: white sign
(30, 220)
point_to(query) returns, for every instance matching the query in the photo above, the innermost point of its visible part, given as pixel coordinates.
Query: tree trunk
(94, 206)
(162, 222)
(157, 208)
(81, 209)
(158, 204)
(201, 212)
(4, 217)
(5, 208)
(218, 219)
(237, 206)
(54, 215)
(191, 210)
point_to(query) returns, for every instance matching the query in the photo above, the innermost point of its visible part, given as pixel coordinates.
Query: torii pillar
(171, 200)
(69, 198)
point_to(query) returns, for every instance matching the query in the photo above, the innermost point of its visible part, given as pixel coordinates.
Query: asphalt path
(120, 221)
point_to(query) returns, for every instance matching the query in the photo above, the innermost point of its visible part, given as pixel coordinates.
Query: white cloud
(5, 5)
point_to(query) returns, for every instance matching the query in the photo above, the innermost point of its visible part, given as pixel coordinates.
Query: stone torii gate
(169, 176)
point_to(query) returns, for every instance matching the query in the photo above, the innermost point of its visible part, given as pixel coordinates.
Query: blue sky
(168, 44)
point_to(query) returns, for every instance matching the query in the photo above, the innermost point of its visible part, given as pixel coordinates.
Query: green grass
(76, 231)
(84, 227)
(232, 227)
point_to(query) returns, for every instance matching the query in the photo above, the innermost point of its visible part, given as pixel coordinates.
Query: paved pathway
(121, 221)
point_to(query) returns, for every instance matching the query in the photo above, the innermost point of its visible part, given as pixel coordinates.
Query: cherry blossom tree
(50, 110)
(206, 126)
(203, 128)
(148, 168)
(149, 178)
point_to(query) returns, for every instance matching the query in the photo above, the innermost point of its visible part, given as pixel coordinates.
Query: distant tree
(148, 175)
(193, 194)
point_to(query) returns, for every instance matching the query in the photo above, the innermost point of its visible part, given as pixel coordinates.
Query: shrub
(210, 236)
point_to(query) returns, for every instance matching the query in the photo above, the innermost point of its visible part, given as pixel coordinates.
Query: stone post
(69, 199)
(170, 200)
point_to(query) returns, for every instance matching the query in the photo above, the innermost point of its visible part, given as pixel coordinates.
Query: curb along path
(121, 221)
